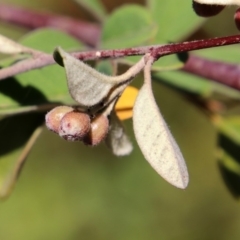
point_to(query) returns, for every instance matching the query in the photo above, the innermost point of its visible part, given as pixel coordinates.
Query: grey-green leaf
(8, 46)
(117, 140)
(156, 141)
(90, 88)
(40, 86)
(86, 85)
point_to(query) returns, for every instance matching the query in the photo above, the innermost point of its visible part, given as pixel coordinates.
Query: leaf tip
(183, 183)
(57, 56)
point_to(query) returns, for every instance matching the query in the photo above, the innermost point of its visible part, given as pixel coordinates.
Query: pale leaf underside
(8, 46)
(86, 86)
(117, 140)
(92, 89)
(155, 140)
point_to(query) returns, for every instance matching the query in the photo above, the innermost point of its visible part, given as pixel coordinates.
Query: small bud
(74, 126)
(207, 10)
(54, 117)
(98, 131)
(237, 18)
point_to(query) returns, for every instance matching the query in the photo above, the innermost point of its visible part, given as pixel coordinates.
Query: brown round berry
(98, 131)
(207, 10)
(54, 117)
(74, 126)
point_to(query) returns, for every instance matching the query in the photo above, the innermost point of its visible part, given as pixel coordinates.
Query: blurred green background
(70, 191)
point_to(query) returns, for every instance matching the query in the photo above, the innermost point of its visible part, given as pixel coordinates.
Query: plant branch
(195, 45)
(226, 73)
(26, 65)
(87, 32)
(156, 51)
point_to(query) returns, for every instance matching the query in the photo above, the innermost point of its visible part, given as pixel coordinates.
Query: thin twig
(10, 180)
(195, 45)
(157, 51)
(147, 70)
(26, 65)
(22, 16)
(87, 32)
(226, 73)
(27, 109)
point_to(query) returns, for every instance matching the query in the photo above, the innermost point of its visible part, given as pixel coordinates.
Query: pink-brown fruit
(207, 10)
(54, 117)
(237, 18)
(74, 126)
(98, 131)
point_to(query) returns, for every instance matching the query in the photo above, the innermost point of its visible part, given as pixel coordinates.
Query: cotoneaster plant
(94, 118)
(97, 95)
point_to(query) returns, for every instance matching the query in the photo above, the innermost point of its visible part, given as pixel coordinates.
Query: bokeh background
(68, 191)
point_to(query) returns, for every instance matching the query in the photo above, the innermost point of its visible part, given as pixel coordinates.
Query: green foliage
(40, 86)
(128, 26)
(195, 84)
(24, 92)
(46, 39)
(95, 7)
(230, 170)
(175, 22)
(74, 192)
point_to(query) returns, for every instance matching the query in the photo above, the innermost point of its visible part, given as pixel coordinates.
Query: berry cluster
(209, 10)
(73, 125)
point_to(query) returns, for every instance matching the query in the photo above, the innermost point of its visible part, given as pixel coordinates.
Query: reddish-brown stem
(195, 45)
(157, 51)
(26, 65)
(87, 32)
(226, 73)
